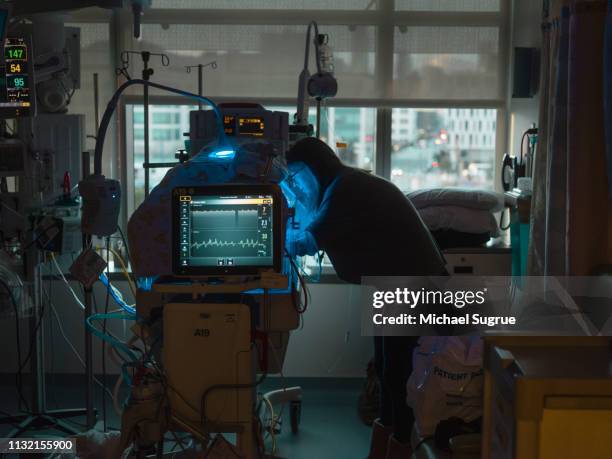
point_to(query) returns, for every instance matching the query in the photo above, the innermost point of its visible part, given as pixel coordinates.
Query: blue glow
(301, 188)
(224, 153)
(146, 283)
(116, 294)
(118, 345)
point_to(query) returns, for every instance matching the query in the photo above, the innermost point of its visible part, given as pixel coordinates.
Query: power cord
(72, 347)
(300, 309)
(125, 244)
(59, 271)
(63, 333)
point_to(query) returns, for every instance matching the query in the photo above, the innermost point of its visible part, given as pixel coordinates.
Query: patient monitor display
(16, 81)
(226, 230)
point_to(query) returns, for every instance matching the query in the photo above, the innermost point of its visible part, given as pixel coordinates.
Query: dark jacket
(365, 224)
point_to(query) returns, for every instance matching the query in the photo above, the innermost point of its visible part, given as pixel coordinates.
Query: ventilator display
(226, 231)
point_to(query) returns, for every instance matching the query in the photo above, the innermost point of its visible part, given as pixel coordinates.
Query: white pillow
(459, 219)
(461, 197)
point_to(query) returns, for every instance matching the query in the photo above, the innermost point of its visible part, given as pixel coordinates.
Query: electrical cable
(282, 375)
(124, 268)
(216, 387)
(180, 443)
(118, 345)
(47, 294)
(125, 244)
(7, 207)
(19, 375)
(59, 270)
(304, 307)
(319, 260)
(52, 379)
(71, 346)
(116, 294)
(97, 333)
(106, 306)
(36, 240)
(273, 423)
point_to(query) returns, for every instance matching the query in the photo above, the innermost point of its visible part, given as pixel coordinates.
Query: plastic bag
(446, 382)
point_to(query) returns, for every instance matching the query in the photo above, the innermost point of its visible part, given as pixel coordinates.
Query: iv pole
(146, 76)
(212, 65)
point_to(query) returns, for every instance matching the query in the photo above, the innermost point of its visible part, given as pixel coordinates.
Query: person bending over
(368, 227)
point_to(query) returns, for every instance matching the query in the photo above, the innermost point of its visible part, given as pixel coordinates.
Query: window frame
(383, 16)
(382, 153)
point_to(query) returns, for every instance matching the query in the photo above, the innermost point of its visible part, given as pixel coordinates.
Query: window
(349, 131)
(446, 63)
(254, 60)
(162, 118)
(433, 154)
(267, 4)
(165, 142)
(440, 62)
(353, 132)
(448, 5)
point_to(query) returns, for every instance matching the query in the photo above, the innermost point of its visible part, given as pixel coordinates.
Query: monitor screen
(252, 126)
(226, 229)
(16, 90)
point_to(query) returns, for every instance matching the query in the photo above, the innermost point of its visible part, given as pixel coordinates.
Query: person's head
(320, 159)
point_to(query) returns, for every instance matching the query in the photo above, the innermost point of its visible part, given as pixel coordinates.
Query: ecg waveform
(248, 243)
(224, 219)
(222, 232)
(212, 209)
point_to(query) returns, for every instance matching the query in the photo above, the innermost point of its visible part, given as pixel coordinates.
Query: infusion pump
(242, 123)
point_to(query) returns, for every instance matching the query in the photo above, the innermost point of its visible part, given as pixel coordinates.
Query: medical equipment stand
(212, 65)
(246, 440)
(40, 418)
(146, 76)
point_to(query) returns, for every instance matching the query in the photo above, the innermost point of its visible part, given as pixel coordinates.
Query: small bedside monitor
(226, 229)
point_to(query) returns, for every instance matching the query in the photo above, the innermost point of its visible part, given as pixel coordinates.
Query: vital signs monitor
(226, 229)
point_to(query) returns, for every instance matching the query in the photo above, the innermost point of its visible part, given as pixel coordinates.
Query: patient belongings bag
(446, 381)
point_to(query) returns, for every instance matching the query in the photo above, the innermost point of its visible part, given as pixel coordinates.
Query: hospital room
(306, 229)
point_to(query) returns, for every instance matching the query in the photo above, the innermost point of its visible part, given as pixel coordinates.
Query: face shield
(301, 190)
